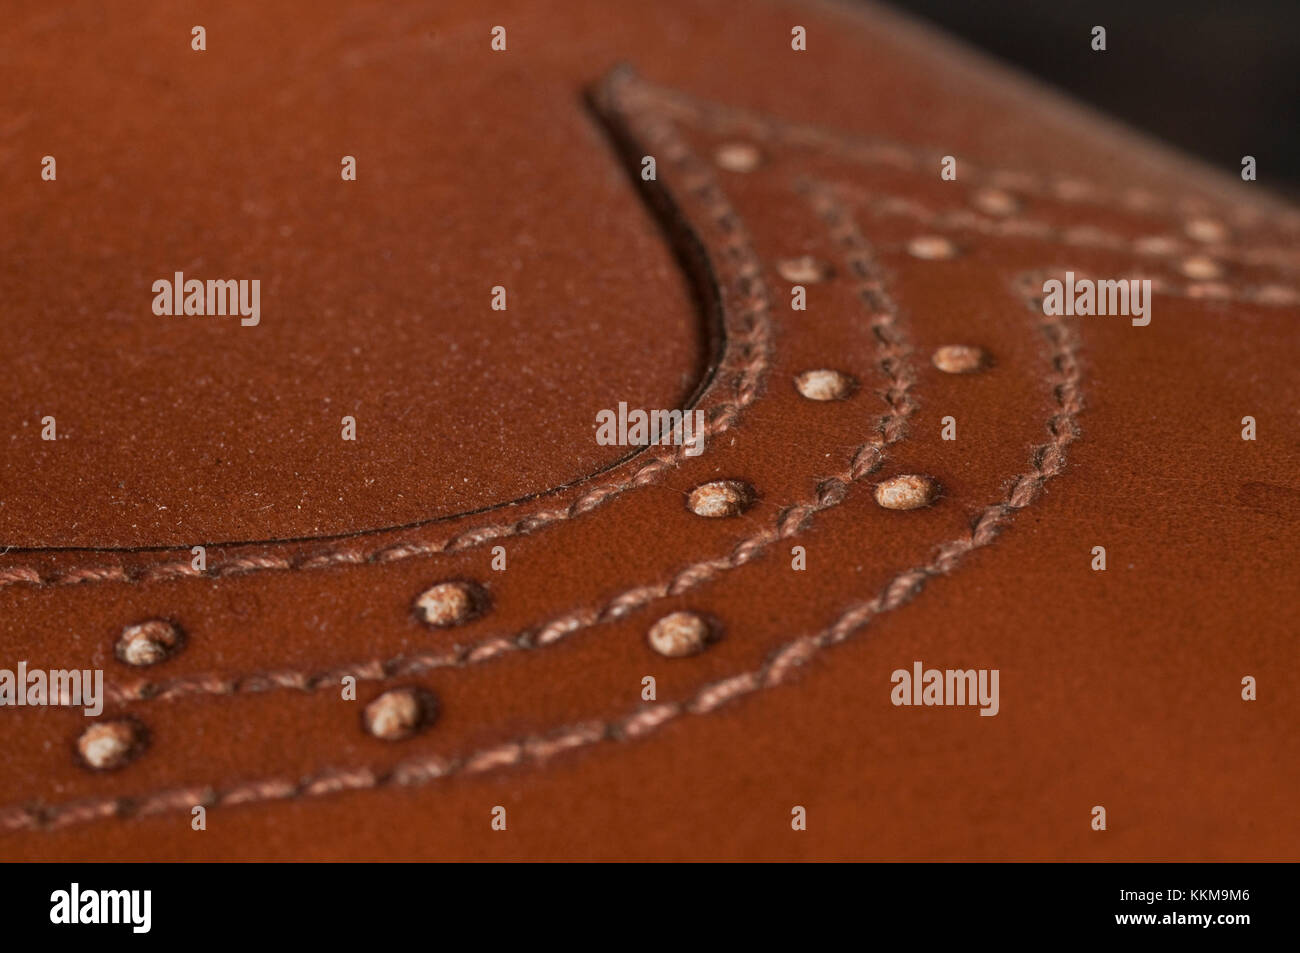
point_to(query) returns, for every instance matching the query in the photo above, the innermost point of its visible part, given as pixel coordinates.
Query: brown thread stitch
(1284, 259)
(746, 361)
(1047, 460)
(892, 357)
(729, 119)
(1030, 283)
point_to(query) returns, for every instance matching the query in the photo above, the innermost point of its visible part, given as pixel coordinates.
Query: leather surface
(475, 430)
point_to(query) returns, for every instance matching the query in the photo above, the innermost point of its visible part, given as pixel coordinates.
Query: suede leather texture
(476, 168)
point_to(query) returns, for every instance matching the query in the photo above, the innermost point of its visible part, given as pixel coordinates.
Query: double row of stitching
(893, 360)
(1047, 461)
(724, 119)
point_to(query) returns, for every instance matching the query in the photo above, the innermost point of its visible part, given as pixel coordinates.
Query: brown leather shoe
(378, 565)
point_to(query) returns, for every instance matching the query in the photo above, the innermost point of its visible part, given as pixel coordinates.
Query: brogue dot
(959, 359)
(1276, 294)
(1209, 289)
(451, 603)
(679, 634)
(148, 643)
(1139, 199)
(1084, 235)
(1201, 268)
(805, 270)
(907, 492)
(825, 384)
(1206, 230)
(1155, 245)
(1072, 190)
(106, 745)
(931, 248)
(996, 202)
(400, 713)
(738, 157)
(720, 498)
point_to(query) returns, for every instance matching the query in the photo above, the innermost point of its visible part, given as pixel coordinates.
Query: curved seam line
(892, 349)
(1085, 236)
(1047, 460)
(720, 117)
(750, 355)
(1208, 291)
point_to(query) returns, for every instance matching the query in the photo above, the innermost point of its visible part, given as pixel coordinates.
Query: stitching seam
(892, 358)
(722, 118)
(747, 358)
(1047, 460)
(1088, 236)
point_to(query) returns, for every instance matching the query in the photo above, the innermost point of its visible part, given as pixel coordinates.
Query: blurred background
(1218, 78)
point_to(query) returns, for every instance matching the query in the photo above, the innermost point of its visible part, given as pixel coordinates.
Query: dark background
(1217, 79)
